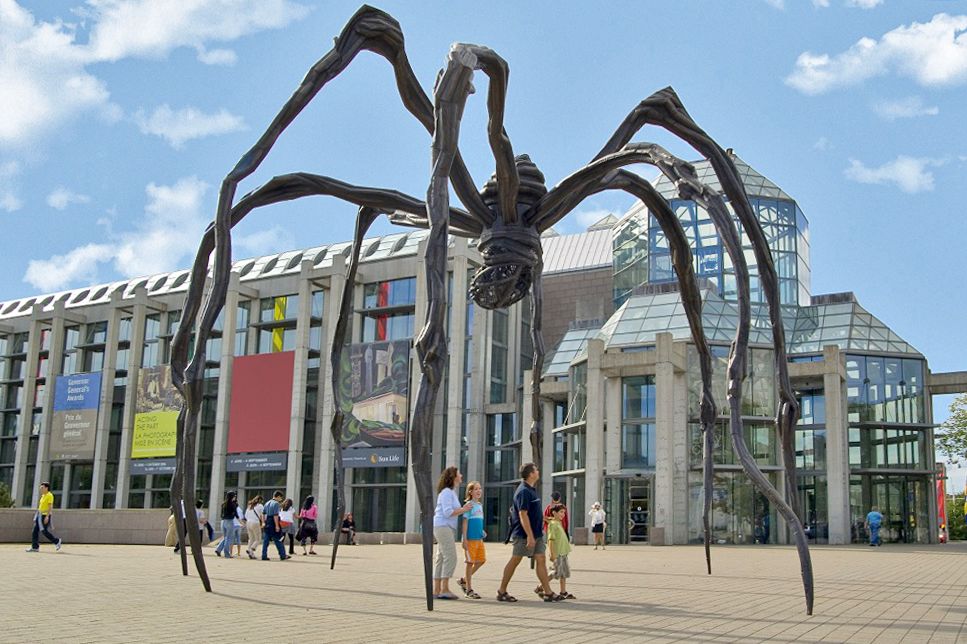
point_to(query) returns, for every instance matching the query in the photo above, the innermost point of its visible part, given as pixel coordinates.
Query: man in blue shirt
(527, 536)
(873, 522)
(273, 528)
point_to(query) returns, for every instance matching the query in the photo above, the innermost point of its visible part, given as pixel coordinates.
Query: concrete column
(526, 417)
(136, 355)
(326, 404)
(613, 414)
(456, 341)
(476, 422)
(594, 426)
(680, 452)
(107, 395)
(664, 493)
(837, 446)
(547, 480)
(223, 402)
(300, 371)
(25, 422)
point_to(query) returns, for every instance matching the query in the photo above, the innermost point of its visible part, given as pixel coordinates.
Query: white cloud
(822, 144)
(904, 108)
(907, 173)
(217, 56)
(263, 242)
(78, 265)
(186, 124)
(864, 4)
(152, 28)
(776, 4)
(42, 75)
(821, 3)
(44, 66)
(61, 197)
(165, 238)
(932, 54)
(9, 201)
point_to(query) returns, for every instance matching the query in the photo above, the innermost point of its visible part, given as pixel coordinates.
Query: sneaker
(33, 550)
(59, 543)
(251, 556)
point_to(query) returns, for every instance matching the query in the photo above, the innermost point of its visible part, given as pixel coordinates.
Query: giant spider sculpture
(507, 218)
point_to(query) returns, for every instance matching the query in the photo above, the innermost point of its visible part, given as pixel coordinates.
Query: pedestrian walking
(475, 555)
(873, 522)
(559, 549)
(527, 536)
(229, 514)
(273, 527)
(253, 524)
(308, 528)
(556, 499)
(287, 519)
(598, 524)
(42, 520)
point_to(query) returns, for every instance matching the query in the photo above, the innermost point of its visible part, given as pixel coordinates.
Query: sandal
(553, 598)
(505, 597)
(471, 593)
(567, 596)
(539, 592)
(463, 584)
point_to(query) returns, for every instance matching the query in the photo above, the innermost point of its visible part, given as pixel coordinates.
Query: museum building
(87, 401)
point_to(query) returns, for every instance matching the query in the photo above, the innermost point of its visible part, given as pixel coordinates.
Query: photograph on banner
(374, 381)
(73, 427)
(155, 414)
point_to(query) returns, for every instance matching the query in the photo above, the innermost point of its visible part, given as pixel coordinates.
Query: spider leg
(665, 109)
(555, 205)
(606, 178)
(537, 366)
(364, 220)
(450, 95)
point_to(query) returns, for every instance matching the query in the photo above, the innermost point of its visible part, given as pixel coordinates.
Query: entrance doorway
(627, 503)
(901, 499)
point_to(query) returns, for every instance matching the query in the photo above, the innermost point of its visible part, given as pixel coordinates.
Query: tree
(6, 501)
(951, 437)
(955, 518)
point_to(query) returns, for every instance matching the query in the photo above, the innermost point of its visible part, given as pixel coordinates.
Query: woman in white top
(598, 524)
(253, 524)
(287, 519)
(448, 508)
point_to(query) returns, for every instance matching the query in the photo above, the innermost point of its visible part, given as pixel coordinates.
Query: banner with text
(374, 381)
(74, 422)
(261, 407)
(156, 414)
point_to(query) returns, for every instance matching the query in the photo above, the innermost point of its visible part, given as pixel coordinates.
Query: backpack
(513, 521)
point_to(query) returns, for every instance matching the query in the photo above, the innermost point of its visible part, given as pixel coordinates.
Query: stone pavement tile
(134, 593)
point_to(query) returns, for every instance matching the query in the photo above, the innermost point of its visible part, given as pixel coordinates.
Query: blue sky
(119, 119)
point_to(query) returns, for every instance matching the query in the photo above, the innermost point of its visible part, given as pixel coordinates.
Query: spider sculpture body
(507, 217)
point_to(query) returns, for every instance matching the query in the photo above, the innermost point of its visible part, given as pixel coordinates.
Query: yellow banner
(278, 335)
(155, 434)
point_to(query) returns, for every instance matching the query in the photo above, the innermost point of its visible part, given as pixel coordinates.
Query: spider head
(511, 252)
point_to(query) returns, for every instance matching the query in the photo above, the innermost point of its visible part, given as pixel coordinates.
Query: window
(388, 310)
(638, 422)
(498, 357)
(277, 323)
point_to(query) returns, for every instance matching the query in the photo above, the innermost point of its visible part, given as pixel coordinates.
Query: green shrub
(6, 501)
(955, 518)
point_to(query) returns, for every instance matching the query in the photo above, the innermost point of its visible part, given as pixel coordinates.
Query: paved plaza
(98, 593)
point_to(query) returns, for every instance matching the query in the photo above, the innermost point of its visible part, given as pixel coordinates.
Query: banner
(156, 414)
(261, 407)
(374, 382)
(257, 462)
(74, 422)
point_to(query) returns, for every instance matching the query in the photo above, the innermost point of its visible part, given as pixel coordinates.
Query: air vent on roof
(270, 265)
(400, 243)
(369, 250)
(292, 263)
(135, 286)
(247, 269)
(11, 307)
(318, 257)
(181, 279)
(27, 304)
(47, 300)
(63, 297)
(100, 293)
(80, 296)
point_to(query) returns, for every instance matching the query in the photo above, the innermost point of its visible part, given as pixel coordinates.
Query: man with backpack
(527, 536)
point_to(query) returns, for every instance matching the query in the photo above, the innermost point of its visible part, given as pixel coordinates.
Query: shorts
(597, 528)
(475, 551)
(562, 569)
(521, 550)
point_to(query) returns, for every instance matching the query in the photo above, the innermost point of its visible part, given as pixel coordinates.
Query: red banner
(261, 407)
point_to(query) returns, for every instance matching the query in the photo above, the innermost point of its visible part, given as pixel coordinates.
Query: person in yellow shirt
(42, 520)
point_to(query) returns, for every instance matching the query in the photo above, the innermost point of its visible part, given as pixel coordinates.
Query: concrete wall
(141, 527)
(584, 295)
